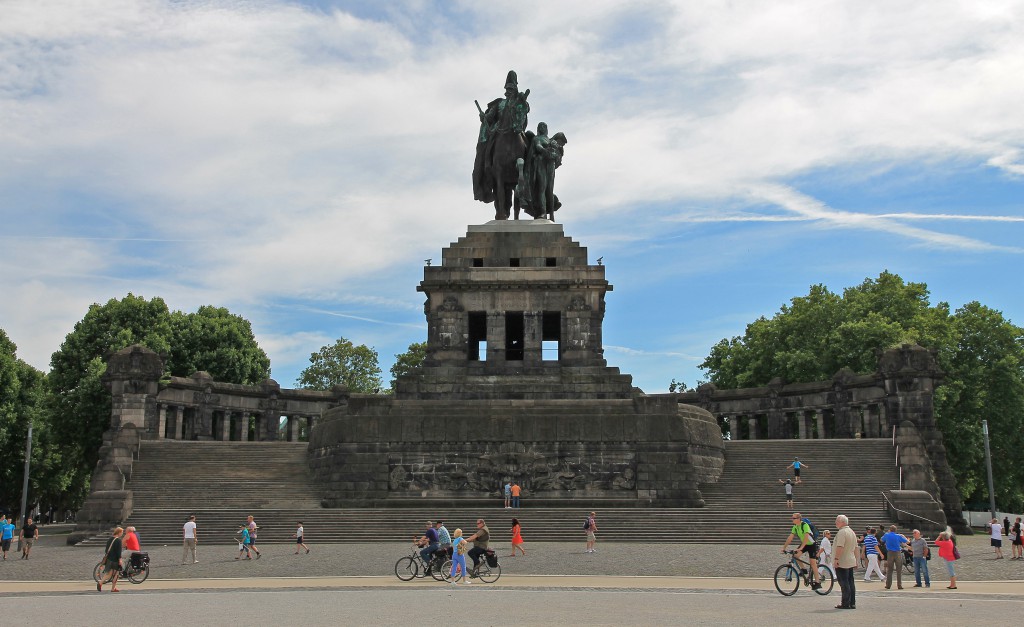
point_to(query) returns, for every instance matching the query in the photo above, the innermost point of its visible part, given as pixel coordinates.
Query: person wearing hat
(503, 115)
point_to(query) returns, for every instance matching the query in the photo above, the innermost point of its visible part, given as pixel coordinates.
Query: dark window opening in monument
(477, 330)
(513, 262)
(550, 262)
(551, 336)
(515, 333)
(478, 262)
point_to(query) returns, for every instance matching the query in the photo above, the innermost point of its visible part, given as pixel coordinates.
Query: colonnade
(182, 422)
(865, 421)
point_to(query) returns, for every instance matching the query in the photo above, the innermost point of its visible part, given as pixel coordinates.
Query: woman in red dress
(517, 538)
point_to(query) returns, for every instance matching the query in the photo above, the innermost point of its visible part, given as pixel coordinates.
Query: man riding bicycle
(808, 545)
(430, 542)
(481, 540)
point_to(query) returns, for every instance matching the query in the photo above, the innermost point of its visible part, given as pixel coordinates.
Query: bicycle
(488, 571)
(412, 566)
(135, 569)
(788, 576)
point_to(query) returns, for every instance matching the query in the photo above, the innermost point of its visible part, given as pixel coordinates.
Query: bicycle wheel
(787, 580)
(97, 572)
(138, 575)
(489, 574)
(909, 567)
(446, 570)
(406, 569)
(826, 579)
(437, 569)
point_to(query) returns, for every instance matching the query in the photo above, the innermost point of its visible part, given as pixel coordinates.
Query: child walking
(243, 545)
(298, 540)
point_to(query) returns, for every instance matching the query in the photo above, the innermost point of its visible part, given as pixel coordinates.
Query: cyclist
(443, 537)
(807, 545)
(131, 544)
(430, 544)
(481, 540)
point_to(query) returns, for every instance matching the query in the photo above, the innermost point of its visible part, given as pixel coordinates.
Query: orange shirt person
(515, 494)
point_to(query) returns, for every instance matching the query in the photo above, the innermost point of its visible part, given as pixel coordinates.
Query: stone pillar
(532, 334)
(801, 420)
(293, 428)
(496, 336)
(871, 421)
(752, 427)
(819, 419)
(225, 426)
(161, 425)
(179, 423)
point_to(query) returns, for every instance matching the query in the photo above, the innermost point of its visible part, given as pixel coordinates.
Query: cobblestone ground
(52, 560)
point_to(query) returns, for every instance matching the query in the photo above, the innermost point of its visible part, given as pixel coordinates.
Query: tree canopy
(408, 361)
(343, 363)
(981, 352)
(212, 339)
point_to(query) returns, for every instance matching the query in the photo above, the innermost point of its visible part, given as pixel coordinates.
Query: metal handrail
(911, 514)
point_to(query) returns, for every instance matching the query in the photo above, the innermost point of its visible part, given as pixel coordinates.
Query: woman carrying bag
(112, 561)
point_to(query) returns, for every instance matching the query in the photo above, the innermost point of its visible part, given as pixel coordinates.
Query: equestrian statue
(515, 168)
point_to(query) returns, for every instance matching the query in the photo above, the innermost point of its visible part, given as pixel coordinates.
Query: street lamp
(988, 467)
(24, 483)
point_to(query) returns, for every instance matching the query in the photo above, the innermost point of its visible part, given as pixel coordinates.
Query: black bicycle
(135, 569)
(788, 576)
(487, 571)
(412, 565)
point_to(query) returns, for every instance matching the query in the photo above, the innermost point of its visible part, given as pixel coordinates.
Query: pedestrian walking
(190, 537)
(871, 551)
(517, 538)
(825, 551)
(243, 542)
(299, 535)
(947, 551)
(28, 536)
(6, 534)
(590, 528)
(1017, 541)
(789, 492)
(844, 561)
(459, 550)
(111, 561)
(251, 524)
(516, 491)
(796, 466)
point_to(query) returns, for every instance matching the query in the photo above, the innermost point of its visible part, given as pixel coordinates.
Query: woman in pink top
(945, 544)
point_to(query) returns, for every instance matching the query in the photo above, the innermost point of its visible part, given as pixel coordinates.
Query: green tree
(343, 363)
(219, 342)
(22, 402)
(981, 352)
(211, 339)
(408, 361)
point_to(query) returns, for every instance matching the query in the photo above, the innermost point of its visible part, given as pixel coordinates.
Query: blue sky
(297, 162)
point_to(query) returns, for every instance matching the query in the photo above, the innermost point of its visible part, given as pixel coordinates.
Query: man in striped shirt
(871, 551)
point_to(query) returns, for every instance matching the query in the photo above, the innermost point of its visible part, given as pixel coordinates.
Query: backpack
(586, 524)
(815, 535)
(463, 548)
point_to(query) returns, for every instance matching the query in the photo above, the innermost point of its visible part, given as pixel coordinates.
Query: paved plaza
(555, 583)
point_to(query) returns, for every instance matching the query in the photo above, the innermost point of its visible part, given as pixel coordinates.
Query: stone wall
(647, 451)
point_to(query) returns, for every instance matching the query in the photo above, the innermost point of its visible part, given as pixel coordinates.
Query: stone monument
(515, 385)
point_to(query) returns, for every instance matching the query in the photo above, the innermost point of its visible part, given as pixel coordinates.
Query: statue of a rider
(503, 115)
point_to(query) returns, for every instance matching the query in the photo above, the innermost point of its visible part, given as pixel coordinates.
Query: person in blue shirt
(430, 544)
(893, 554)
(6, 534)
(871, 553)
(796, 466)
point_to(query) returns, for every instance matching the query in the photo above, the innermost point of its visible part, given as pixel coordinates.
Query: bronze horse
(508, 149)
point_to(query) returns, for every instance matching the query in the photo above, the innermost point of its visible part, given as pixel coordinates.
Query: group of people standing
(27, 537)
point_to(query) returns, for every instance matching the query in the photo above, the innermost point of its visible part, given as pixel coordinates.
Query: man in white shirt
(190, 537)
(996, 529)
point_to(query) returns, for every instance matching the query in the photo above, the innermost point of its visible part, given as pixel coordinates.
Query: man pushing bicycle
(808, 545)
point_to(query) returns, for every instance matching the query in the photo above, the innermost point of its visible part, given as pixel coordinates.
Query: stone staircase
(222, 482)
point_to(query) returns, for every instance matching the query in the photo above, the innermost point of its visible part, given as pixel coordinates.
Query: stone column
(161, 425)
(532, 334)
(293, 428)
(179, 423)
(801, 420)
(819, 419)
(752, 427)
(496, 336)
(225, 426)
